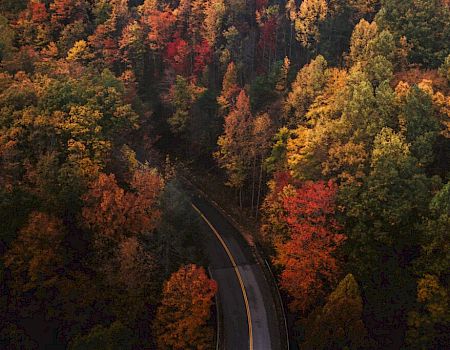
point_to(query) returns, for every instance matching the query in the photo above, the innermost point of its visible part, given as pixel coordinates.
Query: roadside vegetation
(326, 123)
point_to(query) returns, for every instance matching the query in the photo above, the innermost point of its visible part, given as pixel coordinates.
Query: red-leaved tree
(203, 56)
(307, 256)
(177, 55)
(66, 11)
(38, 11)
(160, 25)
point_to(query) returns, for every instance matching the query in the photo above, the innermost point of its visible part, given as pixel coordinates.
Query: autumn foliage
(309, 266)
(230, 88)
(181, 321)
(38, 11)
(333, 114)
(203, 56)
(113, 212)
(36, 257)
(235, 143)
(160, 23)
(341, 318)
(177, 55)
(66, 10)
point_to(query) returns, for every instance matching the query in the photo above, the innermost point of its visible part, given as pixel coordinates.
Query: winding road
(246, 307)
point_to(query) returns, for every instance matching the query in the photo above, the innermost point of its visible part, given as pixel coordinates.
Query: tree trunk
(253, 181)
(240, 197)
(166, 259)
(259, 187)
(290, 41)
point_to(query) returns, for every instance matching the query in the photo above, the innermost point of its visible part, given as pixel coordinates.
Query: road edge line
(281, 304)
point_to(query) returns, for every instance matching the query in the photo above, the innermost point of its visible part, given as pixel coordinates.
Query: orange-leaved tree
(181, 319)
(113, 212)
(235, 144)
(230, 89)
(306, 258)
(36, 257)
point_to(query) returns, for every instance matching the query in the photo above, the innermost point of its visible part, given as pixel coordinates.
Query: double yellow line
(238, 274)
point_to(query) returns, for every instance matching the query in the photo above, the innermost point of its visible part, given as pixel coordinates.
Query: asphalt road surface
(247, 309)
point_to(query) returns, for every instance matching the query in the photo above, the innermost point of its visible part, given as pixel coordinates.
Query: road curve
(246, 305)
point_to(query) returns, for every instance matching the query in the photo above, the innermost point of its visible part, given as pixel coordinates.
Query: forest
(326, 121)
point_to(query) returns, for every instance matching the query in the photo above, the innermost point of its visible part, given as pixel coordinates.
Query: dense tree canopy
(338, 324)
(181, 321)
(329, 121)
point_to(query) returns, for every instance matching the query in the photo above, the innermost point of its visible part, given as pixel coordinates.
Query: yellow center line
(238, 274)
